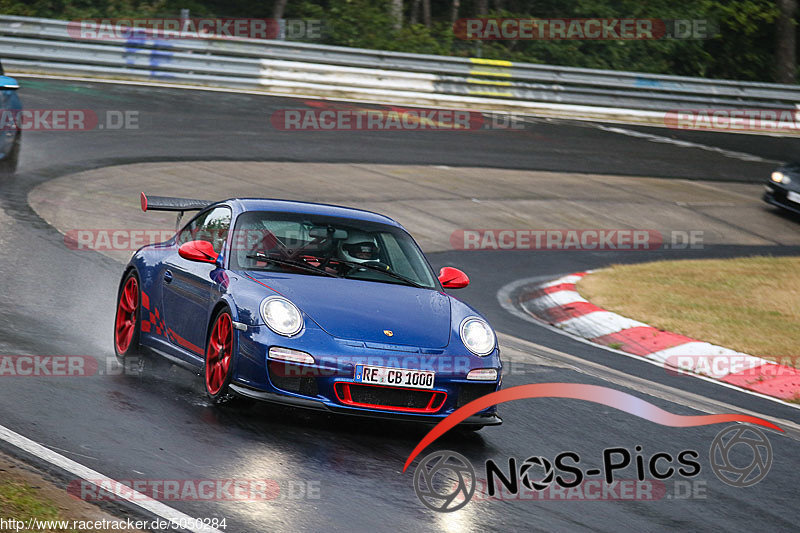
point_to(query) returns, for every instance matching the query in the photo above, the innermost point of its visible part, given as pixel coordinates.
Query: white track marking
(687, 144)
(572, 278)
(136, 498)
(504, 298)
(597, 324)
(554, 299)
(694, 348)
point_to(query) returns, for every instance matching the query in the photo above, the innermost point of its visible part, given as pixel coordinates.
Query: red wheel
(219, 355)
(126, 324)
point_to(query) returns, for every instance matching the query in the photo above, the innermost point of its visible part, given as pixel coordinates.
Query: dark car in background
(10, 132)
(783, 187)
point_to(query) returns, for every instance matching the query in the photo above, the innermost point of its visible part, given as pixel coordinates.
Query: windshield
(319, 245)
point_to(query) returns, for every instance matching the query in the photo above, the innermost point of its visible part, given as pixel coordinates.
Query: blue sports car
(309, 305)
(10, 128)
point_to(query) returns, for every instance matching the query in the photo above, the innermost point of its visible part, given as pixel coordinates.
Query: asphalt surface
(157, 424)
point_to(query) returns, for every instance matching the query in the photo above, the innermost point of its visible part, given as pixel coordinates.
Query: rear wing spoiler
(167, 203)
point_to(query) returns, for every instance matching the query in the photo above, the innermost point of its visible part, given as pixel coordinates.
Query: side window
(396, 257)
(211, 226)
(190, 230)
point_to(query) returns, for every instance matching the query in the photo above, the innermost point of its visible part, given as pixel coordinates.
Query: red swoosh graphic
(576, 391)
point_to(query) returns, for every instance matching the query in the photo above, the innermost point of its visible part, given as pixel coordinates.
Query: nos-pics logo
(445, 481)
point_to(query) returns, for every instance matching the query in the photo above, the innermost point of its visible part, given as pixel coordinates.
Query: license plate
(793, 197)
(396, 377)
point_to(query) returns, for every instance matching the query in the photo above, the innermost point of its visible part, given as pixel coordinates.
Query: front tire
(127, 323)
(219, 359)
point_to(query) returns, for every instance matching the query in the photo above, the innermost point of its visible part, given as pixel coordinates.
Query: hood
(790, 168)
(793, 171)
(362, 310)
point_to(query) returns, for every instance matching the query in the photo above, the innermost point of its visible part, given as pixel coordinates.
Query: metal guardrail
(43, 45)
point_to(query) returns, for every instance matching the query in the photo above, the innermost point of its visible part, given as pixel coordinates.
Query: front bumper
(481, 419)
(327, 384)
(777, 196)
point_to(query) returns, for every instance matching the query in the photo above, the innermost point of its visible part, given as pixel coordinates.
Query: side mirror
(200, 251)
(453, 278)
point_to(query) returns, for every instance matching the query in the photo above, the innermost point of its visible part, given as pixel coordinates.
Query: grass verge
(26, 494)
(749, 304)
(21, 501)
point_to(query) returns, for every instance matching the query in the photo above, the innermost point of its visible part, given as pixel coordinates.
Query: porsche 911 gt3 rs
(311, 305)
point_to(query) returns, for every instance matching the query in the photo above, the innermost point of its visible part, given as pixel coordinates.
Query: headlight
(477, 336)
(281, 315)
(780, 177)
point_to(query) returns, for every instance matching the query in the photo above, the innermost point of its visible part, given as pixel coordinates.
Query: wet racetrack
(157, 424)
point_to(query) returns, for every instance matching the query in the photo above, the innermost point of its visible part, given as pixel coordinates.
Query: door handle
(168, 276)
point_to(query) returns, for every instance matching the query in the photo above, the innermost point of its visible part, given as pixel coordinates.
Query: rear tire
(8, 165)
(127, 322)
